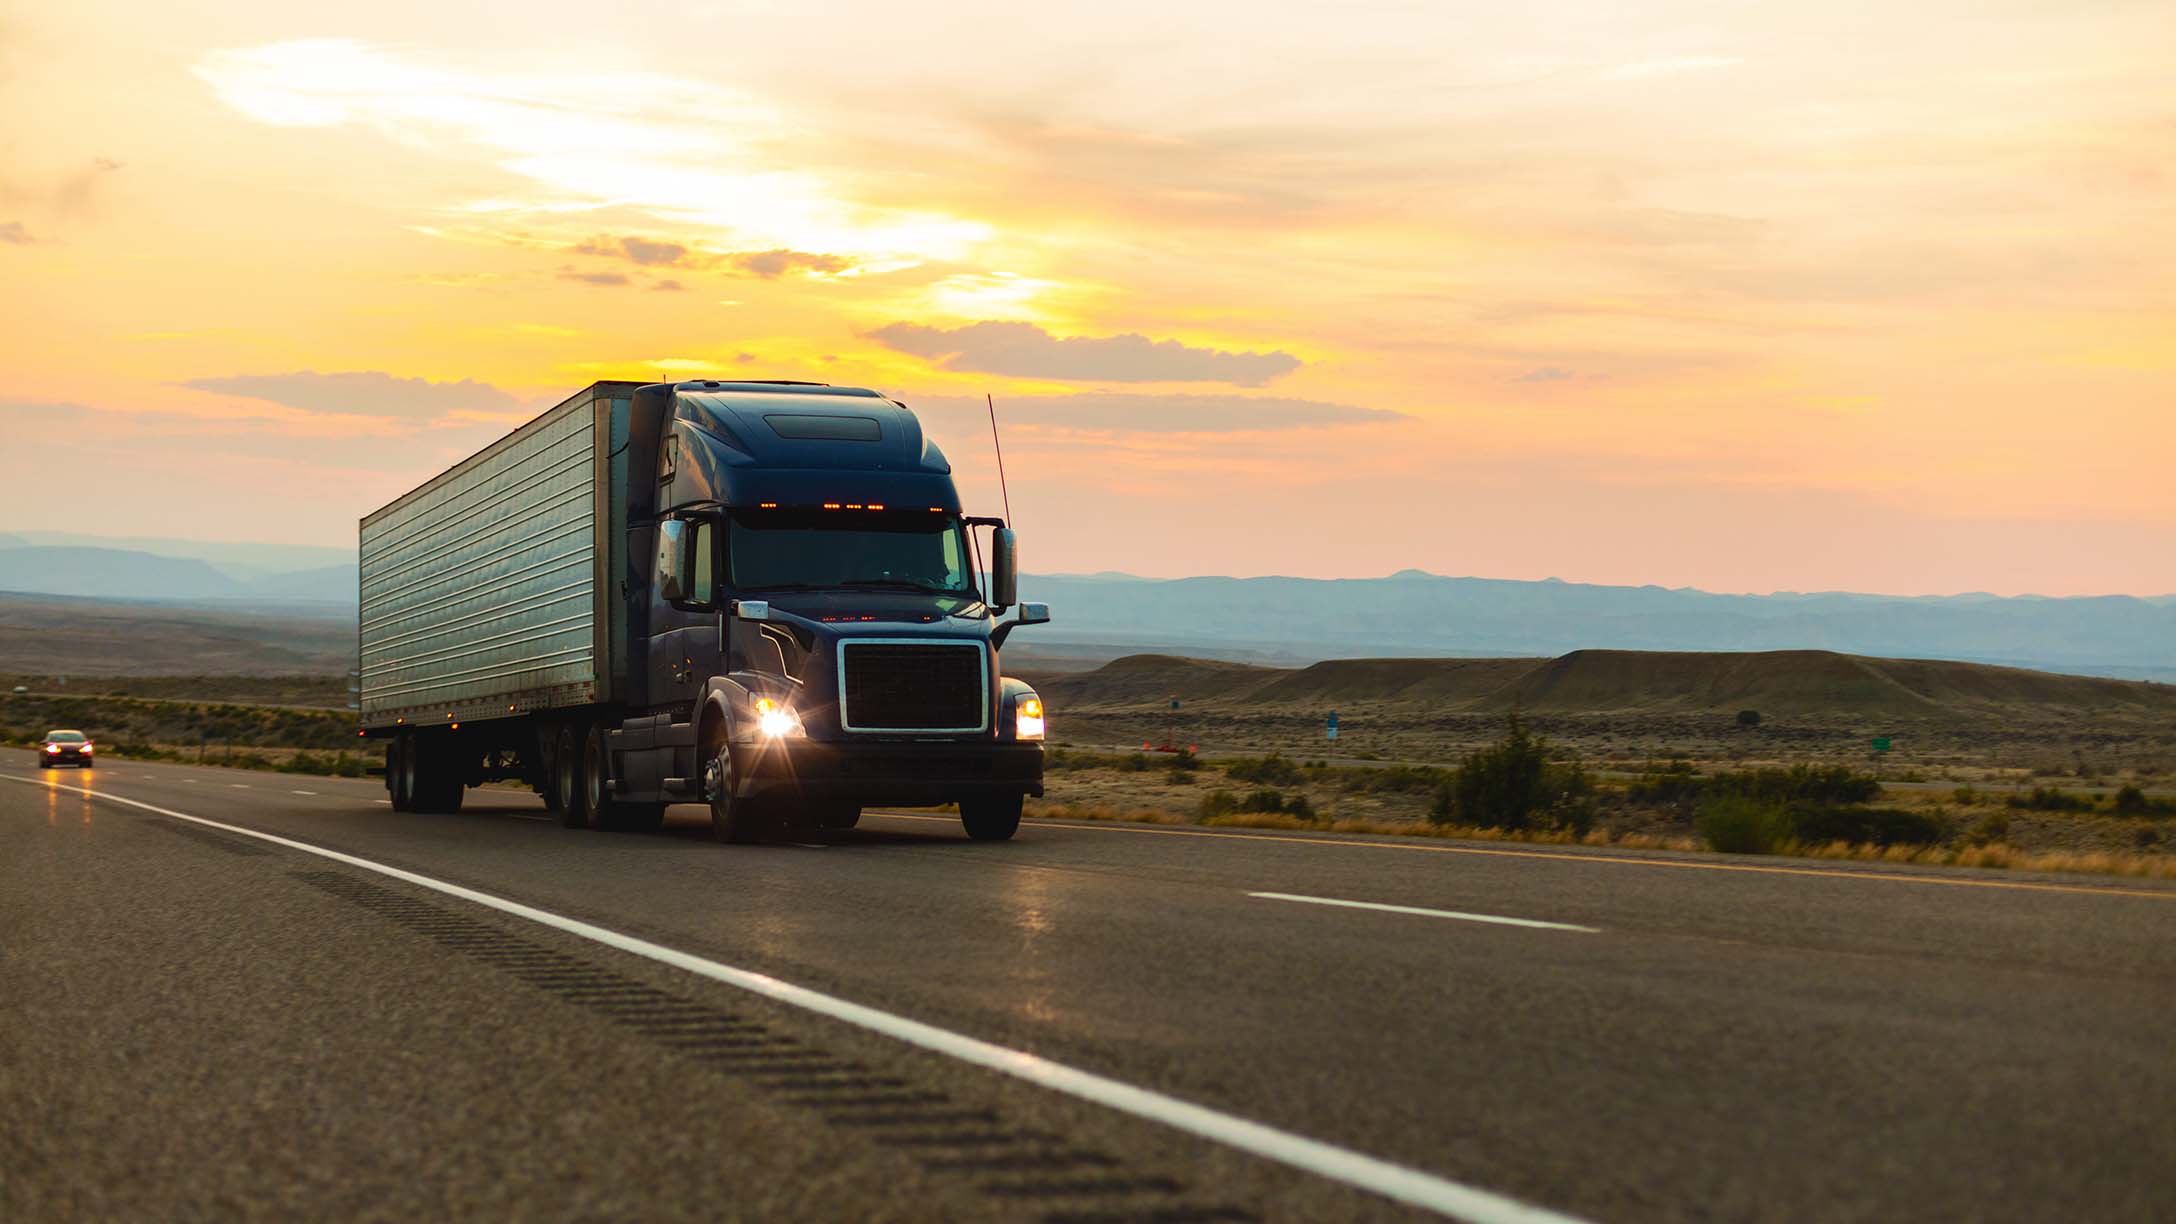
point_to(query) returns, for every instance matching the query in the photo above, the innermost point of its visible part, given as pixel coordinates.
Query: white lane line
(239, 785)
(387, 802)
(301, 792)
(1392, 1181)
(1498, 919)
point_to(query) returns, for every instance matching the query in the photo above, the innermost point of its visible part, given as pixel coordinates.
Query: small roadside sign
(1881, 743)
(1333, 724)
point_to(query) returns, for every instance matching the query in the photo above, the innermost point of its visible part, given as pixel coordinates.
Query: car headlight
(85, 750)
(775, 721)
(1028, 719)
(52, 747)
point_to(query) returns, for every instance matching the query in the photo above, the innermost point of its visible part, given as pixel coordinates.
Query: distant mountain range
(134, 574)
(1283, 620)
(1298, 620)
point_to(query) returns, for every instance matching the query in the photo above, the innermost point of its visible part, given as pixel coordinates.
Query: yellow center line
(1614, 859)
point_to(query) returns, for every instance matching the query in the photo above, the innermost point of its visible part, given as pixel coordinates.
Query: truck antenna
(992, 401)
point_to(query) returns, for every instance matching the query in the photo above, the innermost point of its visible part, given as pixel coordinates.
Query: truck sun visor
(827, 428)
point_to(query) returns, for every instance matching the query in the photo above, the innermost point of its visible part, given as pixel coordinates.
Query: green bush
(1988, 829)
(1272, 770)
(2131, 801)
(1218, 803)
(2049, 799)
(1512, 784)
(1749, 718)
(1814, 824)
(1677, 785)
(1740, 824)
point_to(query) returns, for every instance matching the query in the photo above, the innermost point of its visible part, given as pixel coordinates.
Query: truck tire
(835, 816)
(567, 780)
(733, 821)
(609, 812)
(437, 773)
(400, 772)
(991, 819)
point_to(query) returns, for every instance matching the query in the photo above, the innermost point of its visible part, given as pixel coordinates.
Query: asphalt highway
(365, 1014)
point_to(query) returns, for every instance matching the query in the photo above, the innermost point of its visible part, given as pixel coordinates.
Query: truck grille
(912, 686)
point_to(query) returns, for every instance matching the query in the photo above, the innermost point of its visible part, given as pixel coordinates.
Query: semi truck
(761, 596)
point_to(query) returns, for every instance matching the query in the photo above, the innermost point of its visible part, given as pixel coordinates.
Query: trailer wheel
(991, 819)
(567, 780)
(732, 820)
(435, 775)
(400, 772)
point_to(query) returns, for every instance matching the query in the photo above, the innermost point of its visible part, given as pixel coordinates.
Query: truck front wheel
(991, 819)
(732, 820)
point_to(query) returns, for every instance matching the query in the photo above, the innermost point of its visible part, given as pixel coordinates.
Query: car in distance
(21, 689)
(65, 748)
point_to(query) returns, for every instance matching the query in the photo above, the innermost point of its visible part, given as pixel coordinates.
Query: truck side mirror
(672, 560)
(1004, 569)
(752, 609)
(686, 569)
(1034, 614)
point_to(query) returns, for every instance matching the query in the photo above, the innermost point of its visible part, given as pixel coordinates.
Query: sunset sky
(1797, 296)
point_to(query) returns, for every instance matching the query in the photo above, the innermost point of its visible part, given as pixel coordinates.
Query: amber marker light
(1028, 719)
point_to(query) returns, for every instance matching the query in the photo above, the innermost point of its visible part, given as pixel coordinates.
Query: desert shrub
(1677, 785)
(1814, 823)
(1272, 770)
(1989, 829)
(1180, 775)
(1395, 779)
(1741, 824)
(1184, 762)
(1297, 805)
(2049, 799)
(1512, 784)
(2131, 801)
(1749, 718)
(1263, 801)
(1218, 803)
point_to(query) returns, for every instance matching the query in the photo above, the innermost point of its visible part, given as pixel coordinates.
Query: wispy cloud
(683, 150)
(593, 278)
(770, 265)
(1027, 351)
(13, 233)
(649, 252)
(1545, 374)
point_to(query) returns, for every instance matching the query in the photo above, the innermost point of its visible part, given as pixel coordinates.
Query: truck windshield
(847, 548)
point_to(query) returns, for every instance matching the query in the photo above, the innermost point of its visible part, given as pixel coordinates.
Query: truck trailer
(761, 596)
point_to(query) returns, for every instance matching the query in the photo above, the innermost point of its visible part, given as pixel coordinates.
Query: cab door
(683, 652)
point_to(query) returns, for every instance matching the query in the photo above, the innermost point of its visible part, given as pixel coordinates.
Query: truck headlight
(1028, 719)
(775, 721)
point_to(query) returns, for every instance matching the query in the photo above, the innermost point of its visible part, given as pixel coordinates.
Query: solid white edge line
(1392, 1181)
(1462, 916)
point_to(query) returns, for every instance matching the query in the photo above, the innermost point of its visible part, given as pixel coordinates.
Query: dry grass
(1995, 856)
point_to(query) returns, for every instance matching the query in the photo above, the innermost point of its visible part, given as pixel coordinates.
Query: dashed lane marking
(1497, 919)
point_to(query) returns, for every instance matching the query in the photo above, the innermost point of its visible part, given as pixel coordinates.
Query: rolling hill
(1796, 682)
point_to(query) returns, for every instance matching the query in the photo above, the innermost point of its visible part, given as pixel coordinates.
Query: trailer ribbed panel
(480, 588)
